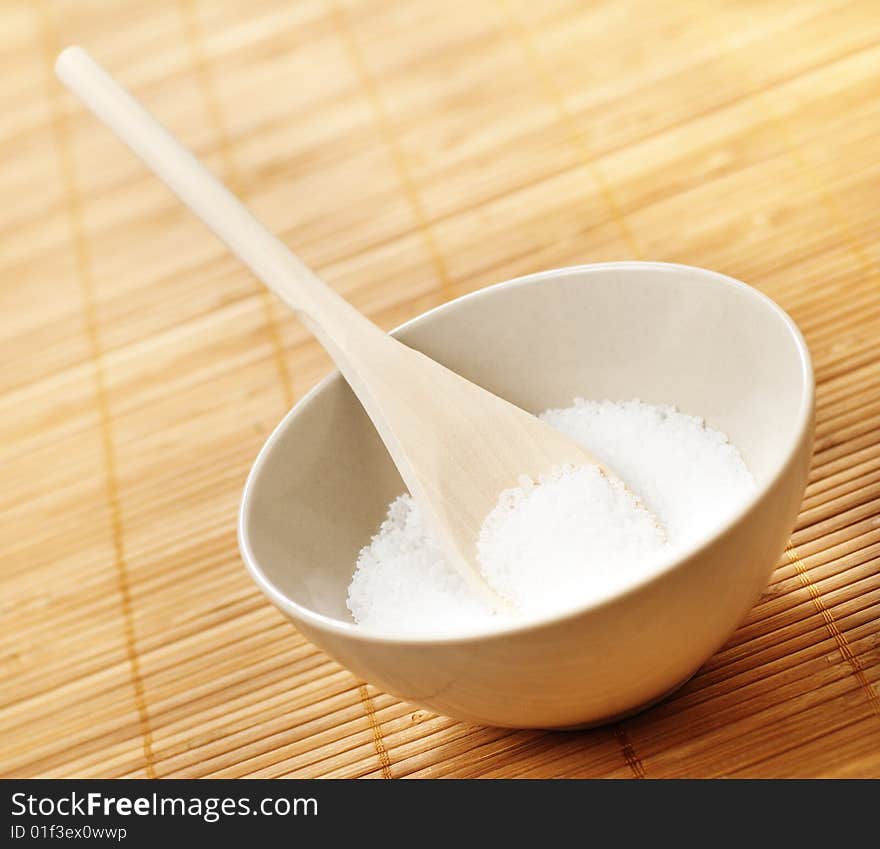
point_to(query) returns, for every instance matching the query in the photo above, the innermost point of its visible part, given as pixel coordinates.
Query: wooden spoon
(456, 445)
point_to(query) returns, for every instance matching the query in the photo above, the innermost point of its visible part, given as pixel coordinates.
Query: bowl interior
(662, 333)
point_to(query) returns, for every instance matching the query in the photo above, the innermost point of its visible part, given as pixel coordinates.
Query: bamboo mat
(412, 152)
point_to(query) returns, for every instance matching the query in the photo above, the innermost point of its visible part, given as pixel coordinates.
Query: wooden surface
(411, 152)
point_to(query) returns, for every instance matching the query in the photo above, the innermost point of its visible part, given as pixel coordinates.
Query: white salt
(573, 537)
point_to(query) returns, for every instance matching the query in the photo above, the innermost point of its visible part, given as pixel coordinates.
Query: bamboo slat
(411, 152)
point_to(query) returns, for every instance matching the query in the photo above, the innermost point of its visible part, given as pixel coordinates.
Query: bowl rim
(352, 630)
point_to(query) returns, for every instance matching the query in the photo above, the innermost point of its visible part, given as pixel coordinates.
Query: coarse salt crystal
(574, 536)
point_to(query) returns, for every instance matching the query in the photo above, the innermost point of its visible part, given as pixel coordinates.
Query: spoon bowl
(663, 333)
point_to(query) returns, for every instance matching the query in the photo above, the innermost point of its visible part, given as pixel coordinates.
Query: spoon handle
(330, 317)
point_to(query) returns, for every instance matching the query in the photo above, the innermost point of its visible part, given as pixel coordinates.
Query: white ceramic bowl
(663, 333)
